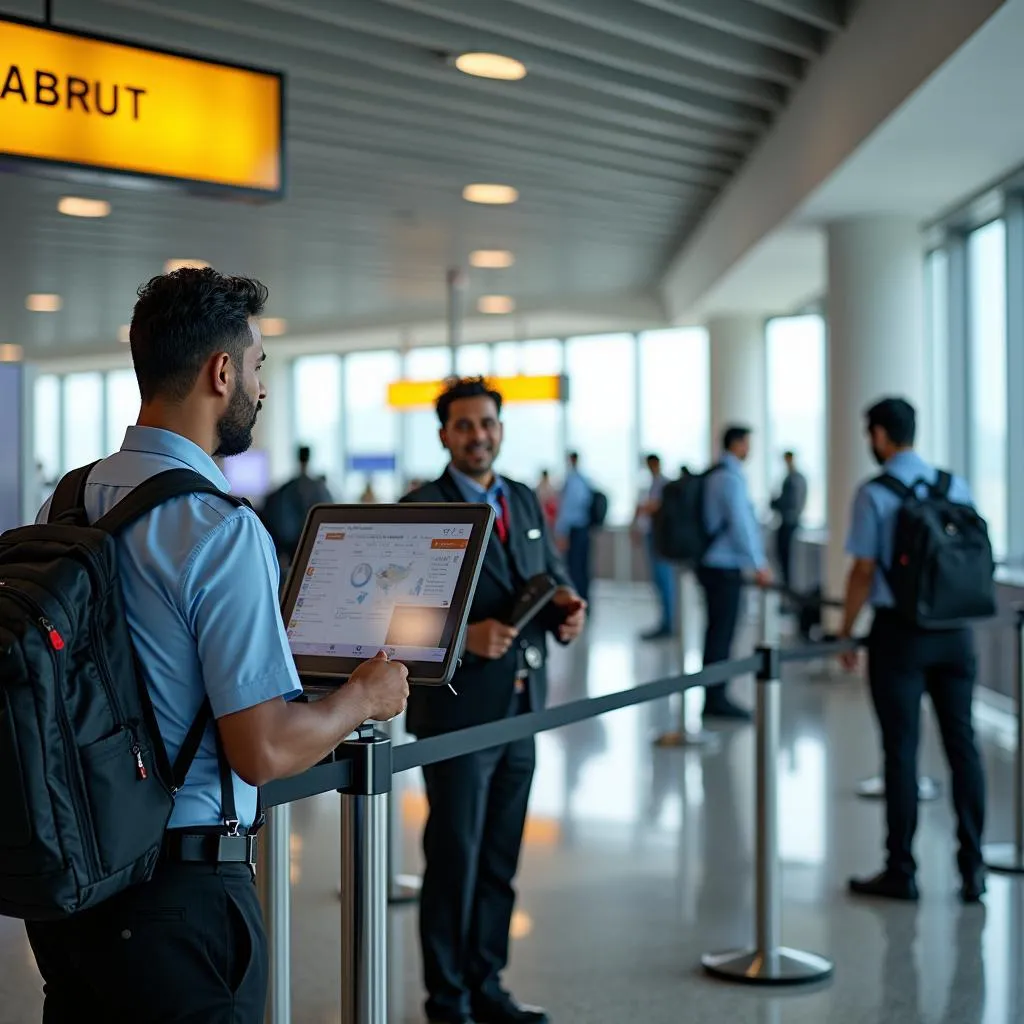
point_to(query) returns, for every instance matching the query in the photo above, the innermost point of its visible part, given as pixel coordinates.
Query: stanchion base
(1003, 858)
(786, 967)
(676, 740)
(405, 889)
(928, 789)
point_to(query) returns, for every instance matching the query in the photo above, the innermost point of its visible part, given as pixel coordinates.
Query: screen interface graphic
(374, 586)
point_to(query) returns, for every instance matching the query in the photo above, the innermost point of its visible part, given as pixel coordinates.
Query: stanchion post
(1008, 858)
(273, 877)
(364, 879)
(768, 963)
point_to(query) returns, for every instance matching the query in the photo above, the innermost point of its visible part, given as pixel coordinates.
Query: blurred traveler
(200, 589)
(547, 495)
(662, 572)
(906, 658)
(735, 546)
(285, 509)
(789, 504)
(368, 497)
(575, 519)
(478, 802)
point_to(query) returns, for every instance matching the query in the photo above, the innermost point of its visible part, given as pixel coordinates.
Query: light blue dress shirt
(873, 520)
(200, 581)
(729, 517)
(574, 508)
(477, 495)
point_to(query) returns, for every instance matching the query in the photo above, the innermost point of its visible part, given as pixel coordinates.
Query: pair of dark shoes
(503, 1010)
(890, 886)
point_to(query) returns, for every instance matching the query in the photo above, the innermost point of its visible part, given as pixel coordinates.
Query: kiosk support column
(364, 879)
(273, 875)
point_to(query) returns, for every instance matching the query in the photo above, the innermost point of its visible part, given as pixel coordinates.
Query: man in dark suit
(478, 802)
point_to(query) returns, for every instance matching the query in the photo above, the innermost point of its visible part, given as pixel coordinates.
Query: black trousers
(471, 845)
(784, 551)
(903, 664)
(577, 560)
(187, 947)
(723, 589)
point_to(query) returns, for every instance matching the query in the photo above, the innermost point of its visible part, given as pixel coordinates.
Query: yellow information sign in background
(418, 394)
(89, 102)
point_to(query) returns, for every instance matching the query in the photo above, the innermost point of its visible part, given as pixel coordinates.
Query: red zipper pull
(56, 640)
(140, 767)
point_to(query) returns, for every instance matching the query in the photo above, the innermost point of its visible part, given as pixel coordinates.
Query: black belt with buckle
(208, 848)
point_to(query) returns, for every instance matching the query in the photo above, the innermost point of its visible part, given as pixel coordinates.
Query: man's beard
(878, 456)
(234, 428)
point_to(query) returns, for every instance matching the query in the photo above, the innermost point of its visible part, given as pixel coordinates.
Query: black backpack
(942, 567)
(86, 787)
(680, 533)
(598, 508)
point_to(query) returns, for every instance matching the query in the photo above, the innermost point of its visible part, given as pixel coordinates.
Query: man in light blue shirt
(200, 582)
(906, 661)
(736, 547)
(572, 526)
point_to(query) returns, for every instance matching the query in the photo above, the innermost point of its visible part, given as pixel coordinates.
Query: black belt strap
(182, 847)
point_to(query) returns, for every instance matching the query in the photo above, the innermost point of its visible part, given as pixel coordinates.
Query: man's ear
(220, 372)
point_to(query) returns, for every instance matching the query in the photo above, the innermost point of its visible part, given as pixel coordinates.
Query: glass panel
(935, 442)
(986, 259)
(796, 405)
(122, 406)
(506, 357)
(675, 407)
(423, 457)
(316, 381)
(603, 416)
(83, 419)
(46, 430)
(371, 428)
(473, 360)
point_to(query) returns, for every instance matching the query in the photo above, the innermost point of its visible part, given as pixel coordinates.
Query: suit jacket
(484, 687)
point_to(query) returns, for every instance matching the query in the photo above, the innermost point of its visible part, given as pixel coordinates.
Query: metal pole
(768, 963)
(1008, 858)
(273, 881)
(456, 285)
(402, 888)
(364, 881)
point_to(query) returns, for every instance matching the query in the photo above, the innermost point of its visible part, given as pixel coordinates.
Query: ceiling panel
(632, 118)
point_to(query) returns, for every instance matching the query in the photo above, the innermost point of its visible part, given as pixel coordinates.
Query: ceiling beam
(648, 26)
(758, 24)
(823, 14)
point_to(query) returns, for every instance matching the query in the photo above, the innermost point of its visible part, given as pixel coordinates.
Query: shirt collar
(156, 441)
(471, 490)
(904, 460)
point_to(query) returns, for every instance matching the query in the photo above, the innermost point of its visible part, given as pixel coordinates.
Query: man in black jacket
(478, 802)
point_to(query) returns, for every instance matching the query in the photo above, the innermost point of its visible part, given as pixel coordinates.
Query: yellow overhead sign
(85, 102)
(418, 394)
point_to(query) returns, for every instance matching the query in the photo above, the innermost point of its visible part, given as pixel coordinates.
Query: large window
(46, 426)
(83, 439)
(986, 259)
(602, 416)
(675, 408)
(122, 406)
(424, 458)
(317, 405)
(796, 404)
(371, 428)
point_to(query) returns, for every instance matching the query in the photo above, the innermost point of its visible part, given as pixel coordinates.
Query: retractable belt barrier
(361, 770)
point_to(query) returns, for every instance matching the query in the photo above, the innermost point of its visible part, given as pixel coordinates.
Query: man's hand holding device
(574, 609)
(490, 639)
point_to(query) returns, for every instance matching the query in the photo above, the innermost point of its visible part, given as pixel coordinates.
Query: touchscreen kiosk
(398, 578)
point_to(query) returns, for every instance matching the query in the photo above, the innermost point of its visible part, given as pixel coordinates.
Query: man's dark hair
(653, 457)
(789, 455)
(734, 434)
(896, 416)
(305, 454)
(464, 387)
(182, 319)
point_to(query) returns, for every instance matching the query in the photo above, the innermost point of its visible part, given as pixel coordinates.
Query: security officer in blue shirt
(200, 580)
(905, 662)
(573, 524)
(736, 546)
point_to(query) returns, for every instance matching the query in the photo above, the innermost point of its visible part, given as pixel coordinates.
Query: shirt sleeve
(229, 597)
(741, 524)
(865, 537)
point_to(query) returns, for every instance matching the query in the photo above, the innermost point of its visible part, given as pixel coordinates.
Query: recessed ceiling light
(273, 326)
(495, 304)
(124, 334)
(11, 353)
(491, 65)
(76, 206)
(491, 259)
(42, 303)
(490, 195)
(172, 265)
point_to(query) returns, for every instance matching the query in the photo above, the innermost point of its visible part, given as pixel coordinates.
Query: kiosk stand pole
(1008, 858)
(273, 874)
(402, 889)
(364, 880)
(768, 963)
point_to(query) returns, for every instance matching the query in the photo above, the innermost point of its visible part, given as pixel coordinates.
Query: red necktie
(502, 525)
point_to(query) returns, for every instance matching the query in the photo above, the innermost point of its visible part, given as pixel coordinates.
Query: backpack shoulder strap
(151, 493)
(70, 492)
(940, 489)
(890, 483)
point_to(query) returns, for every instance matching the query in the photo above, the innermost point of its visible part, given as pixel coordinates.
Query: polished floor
(638, 860)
